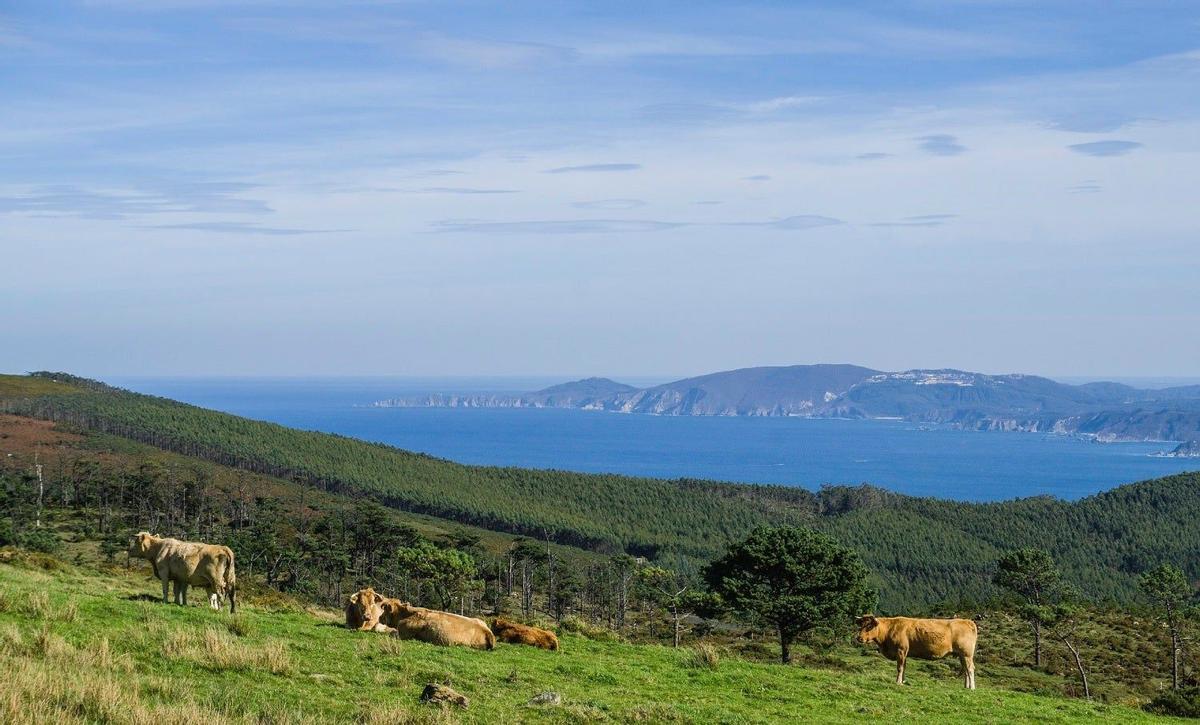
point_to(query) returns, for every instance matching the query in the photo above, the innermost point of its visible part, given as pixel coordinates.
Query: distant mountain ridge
(1104, 411)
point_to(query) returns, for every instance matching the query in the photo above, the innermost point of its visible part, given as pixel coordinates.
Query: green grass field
(79, 645)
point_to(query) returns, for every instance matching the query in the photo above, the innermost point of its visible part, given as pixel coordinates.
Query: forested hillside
(923, 551)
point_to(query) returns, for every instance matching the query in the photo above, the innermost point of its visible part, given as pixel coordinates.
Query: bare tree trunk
(526, 588)
(1175, 647)
(1087, 693)
(41, 490)
(1037, 644)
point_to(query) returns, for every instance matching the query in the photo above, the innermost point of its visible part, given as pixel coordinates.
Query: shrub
(1184, 702)
(40, 540)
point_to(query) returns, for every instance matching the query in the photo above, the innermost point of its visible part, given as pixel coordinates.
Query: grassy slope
(86, 646)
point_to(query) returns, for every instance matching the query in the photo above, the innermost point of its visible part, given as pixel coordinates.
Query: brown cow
(363, 609)
(433, 626)
(189, 563)
(899, 638)
(514, 633)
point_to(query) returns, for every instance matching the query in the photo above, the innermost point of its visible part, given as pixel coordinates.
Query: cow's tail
(231, 583)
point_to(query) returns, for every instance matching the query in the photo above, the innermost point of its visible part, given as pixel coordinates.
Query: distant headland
(1103, 411)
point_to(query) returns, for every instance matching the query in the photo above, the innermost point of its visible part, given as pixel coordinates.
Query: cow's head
(868, 628)
(365, 598)
(139, 546)
(365, 603)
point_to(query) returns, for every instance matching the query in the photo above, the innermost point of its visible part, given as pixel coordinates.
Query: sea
(922, 460)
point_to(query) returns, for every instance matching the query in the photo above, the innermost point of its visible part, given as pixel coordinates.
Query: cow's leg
(183, 586)
(900, 657)
(214, 600)
(969, 671)
(166, 589)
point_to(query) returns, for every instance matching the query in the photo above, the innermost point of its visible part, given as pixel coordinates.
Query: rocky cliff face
(1188, 449)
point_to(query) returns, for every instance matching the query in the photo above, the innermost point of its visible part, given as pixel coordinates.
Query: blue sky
(456, 188)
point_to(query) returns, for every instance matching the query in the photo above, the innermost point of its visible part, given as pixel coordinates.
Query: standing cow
(189, 563)
(899, 638)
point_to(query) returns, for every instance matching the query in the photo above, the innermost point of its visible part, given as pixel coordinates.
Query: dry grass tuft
(35, 693)
(69, 612)
(390, 646)
(11, 641)
(238, 625)
(48, 645)
(103, 657)
(702, 656)
(398, 715)
(178, 643)
(218, 650)
(37, 605)
(657, 712)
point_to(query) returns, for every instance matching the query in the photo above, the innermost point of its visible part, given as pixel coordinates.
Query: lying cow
(435, 627)
(363, 609)
(189, 563)
(514, 633)
(366, 610)
(899, 638)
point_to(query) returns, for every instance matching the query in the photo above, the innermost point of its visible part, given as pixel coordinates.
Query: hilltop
(1103, 410)
(924, 552)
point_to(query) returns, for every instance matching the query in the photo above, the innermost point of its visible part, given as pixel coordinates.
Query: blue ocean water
(918, 460)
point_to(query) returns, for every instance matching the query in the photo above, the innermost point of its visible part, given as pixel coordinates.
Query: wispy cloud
(73, 201)
(1099, 121)
(757, 177)
(799, 222)
(1086, 187)
(461, 190)
(597, 226)
(920, 220)
(940, 144)
(576, 226)
(490, 54)
(588, 168)
(433, 173)
(1105, 148)
(243, 228)
(684, 113)
(873, 156)
(783, 103)
(609, 204)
